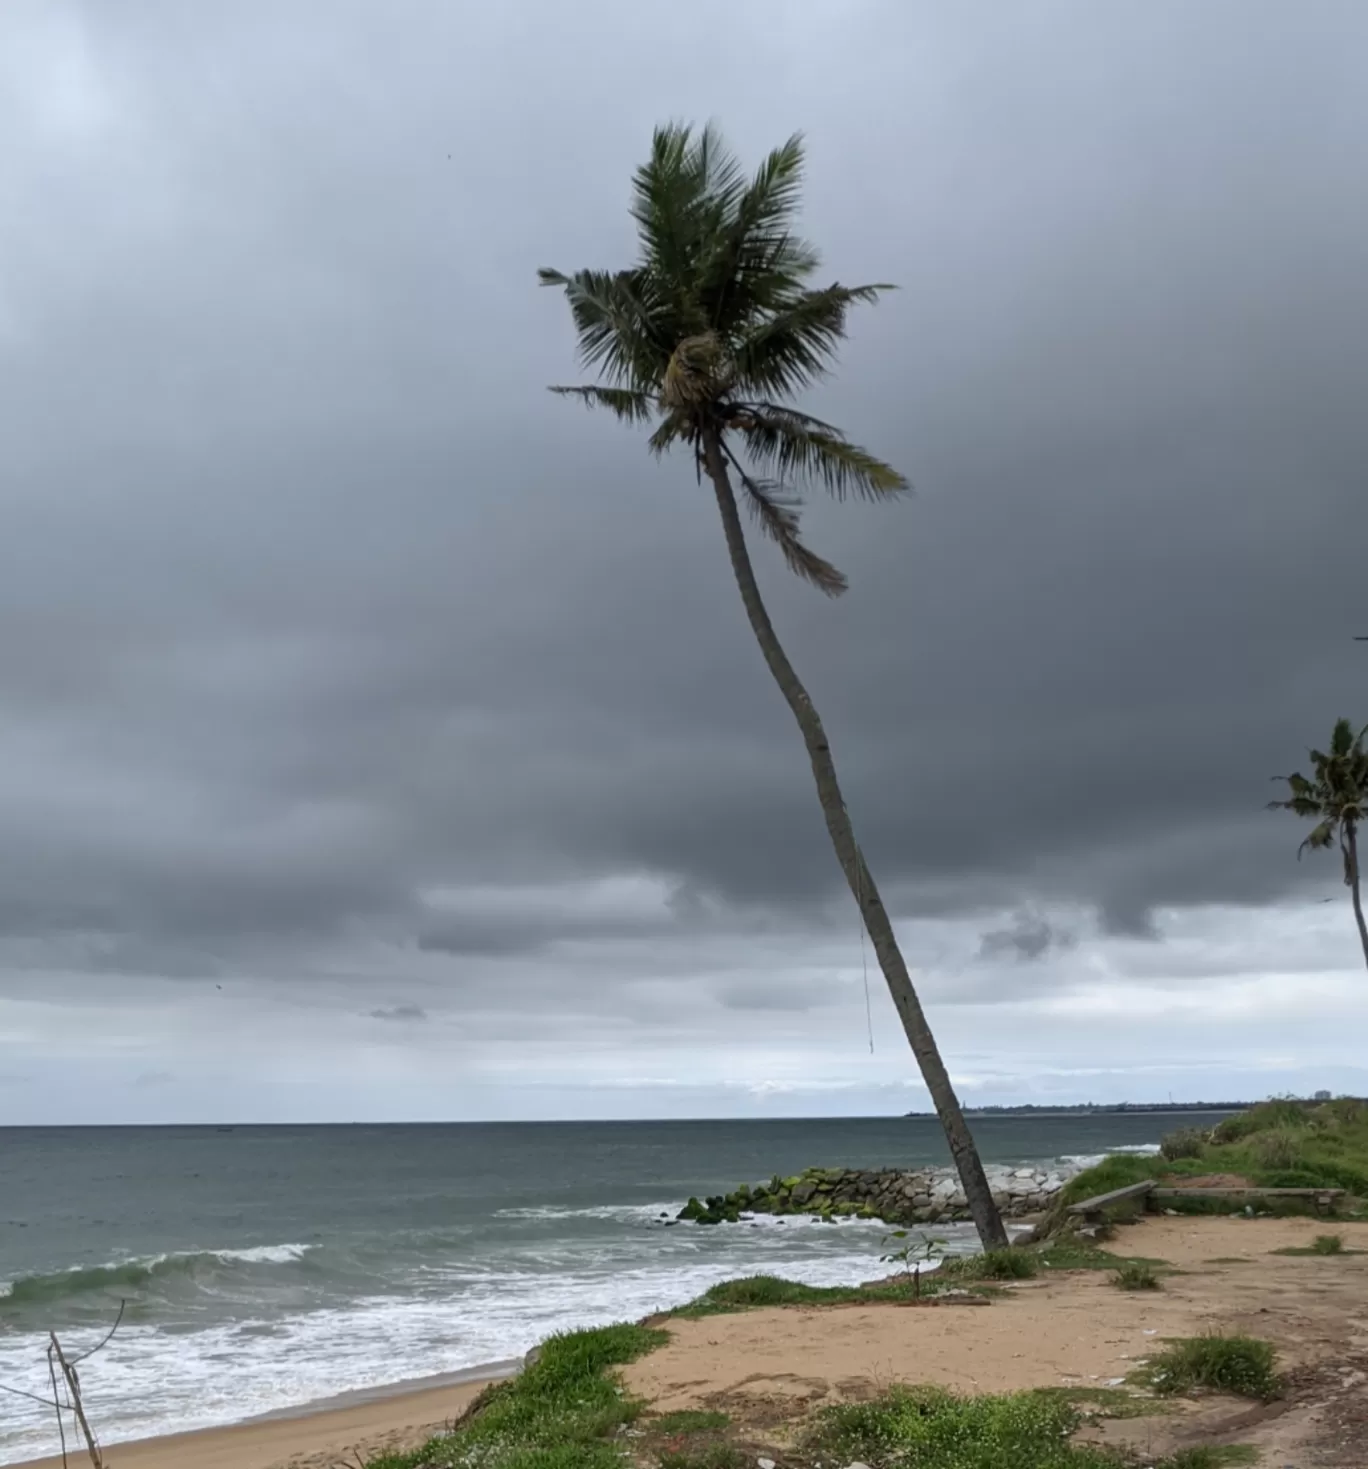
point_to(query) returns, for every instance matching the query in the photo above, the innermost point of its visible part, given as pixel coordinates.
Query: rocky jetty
(896, 1196)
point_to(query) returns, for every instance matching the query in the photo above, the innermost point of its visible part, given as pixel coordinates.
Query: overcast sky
(382, 737)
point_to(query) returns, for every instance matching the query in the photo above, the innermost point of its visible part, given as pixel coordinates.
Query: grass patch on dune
(976, 1273)
(930, 1428)
(1278, 1144)
(755, 1292)
(1136, 1275)
(1242, 1365)
(560, 1413)
(1324, 1245)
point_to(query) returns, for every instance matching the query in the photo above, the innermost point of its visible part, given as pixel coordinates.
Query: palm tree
(708, 338)
(1335, 798)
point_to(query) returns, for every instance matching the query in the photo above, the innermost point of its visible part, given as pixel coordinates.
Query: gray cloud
(401, 1014)
(321, 623)
(1029, 937)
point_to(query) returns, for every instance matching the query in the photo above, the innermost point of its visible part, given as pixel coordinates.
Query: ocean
(263, 1268)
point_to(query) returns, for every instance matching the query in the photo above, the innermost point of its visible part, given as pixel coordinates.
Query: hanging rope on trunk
(864, 957)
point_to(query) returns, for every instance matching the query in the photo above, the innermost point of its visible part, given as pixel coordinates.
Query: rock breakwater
(894, 1195)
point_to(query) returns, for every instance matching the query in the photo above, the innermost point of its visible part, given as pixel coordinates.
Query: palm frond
(778, 518)
(683, 197)
(624, 403)
(758, 262)
(795, 346)
(674, 429)
(797, 451)
(613, 313)
(1322, 836)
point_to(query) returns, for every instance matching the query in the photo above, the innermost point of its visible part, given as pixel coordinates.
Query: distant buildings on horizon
(1068, 1108)
(1026, 1109)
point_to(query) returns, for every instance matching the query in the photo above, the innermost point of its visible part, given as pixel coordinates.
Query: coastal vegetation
(1136, 1275)
(711, 338)
(1281, 1144)
(1242, 1365)
(1334, 796)
(564, 1411)
(569, 1410)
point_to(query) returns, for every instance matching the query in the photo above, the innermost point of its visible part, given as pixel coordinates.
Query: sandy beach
(768, 1369)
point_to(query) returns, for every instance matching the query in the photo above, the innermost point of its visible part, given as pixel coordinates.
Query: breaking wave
(126, 1275)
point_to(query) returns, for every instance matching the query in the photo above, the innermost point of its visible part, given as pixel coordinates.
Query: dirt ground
(768, 1369)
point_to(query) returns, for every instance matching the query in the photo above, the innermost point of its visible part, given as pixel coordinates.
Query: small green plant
(912, 1255)
(1323, 1244)
(1135, 1275)
(1008, 1265)
(1187, 1142)
(1242, 1365)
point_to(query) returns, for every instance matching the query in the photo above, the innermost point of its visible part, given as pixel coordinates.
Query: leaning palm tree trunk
(1351, 864)
(874, 915)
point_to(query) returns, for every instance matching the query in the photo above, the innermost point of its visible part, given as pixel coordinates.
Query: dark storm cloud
(314, 603)
(1030, 936)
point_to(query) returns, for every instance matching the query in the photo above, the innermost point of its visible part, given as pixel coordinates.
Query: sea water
(260, 1268)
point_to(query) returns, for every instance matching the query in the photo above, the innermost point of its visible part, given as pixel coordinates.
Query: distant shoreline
(1089, 1109)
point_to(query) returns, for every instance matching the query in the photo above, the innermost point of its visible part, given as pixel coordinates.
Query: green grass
(686, 1421)
(1070, 1254)
(927, 1428)
(557, 1414)
(754, 1292)
(1323, 1245)
(1104, 1402)
(1242, 1365)
(1136, 1275)
(1010, 1264)
(1277, 1144)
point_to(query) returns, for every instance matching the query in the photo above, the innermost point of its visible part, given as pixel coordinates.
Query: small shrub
(1007, 1265)
(1280, 1148)
(1135, 1275)
(1328, 1244)
(1242, 1365)
(1187, 1142)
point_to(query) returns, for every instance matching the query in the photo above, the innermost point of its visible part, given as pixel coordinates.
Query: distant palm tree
(1335, 798)
(708, 338)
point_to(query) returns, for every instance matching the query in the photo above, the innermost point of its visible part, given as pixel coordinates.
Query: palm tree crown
(1335, 795)
(717, 328)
